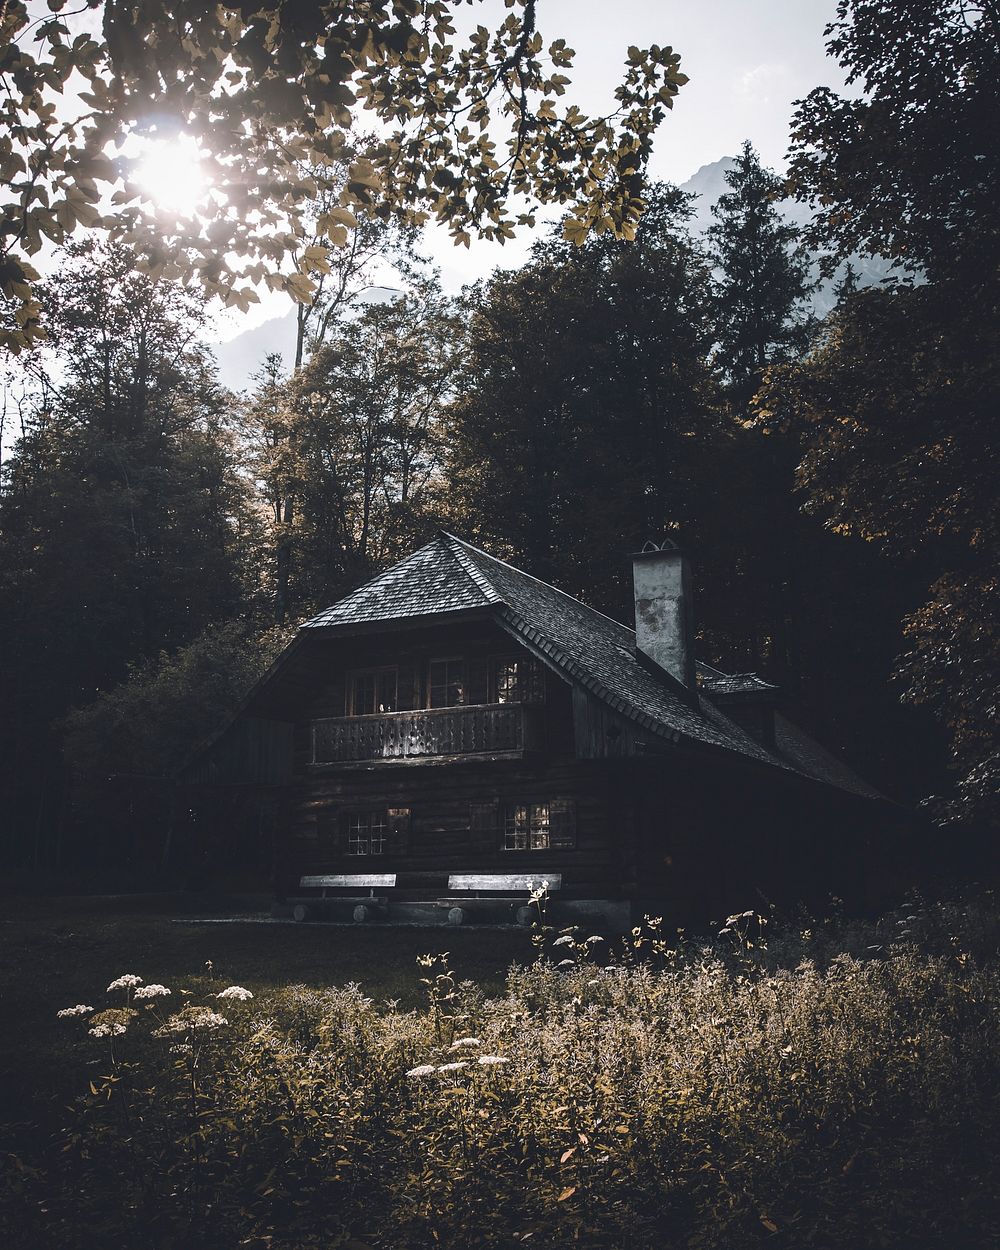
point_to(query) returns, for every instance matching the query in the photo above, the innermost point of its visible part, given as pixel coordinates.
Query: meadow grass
(837, 1085)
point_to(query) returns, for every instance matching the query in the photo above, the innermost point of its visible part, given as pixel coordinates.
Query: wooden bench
(485, 889)
(365, 904)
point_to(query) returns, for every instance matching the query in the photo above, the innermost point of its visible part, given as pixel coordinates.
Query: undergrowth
(836, 1086)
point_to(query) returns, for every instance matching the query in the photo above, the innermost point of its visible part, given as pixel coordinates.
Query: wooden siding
(601, 734)
(443, 803)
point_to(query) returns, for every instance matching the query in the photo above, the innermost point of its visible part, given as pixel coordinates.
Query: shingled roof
(594, 651)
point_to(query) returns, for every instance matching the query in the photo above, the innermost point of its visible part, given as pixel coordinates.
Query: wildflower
(151, 991)
(107, 1030)
(593, 940)
(566, 963)
(191, 1018)
(453, 1067)
(491, 1061)
(462, 1042)
(81, 1009)
(423, 1069)
(180, 1048)
(565, 940)
(235, 991)
(126, 982)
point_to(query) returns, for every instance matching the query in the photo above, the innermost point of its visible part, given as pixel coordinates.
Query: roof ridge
(365, 585)
(531, 577)
(455, 548)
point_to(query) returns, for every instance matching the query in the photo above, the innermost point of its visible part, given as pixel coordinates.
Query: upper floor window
(519, 679)
(446, 683)
(372, 690)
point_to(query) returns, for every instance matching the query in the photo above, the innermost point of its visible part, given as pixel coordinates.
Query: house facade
(456, 717)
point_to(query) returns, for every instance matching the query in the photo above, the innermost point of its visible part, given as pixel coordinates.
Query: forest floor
(55, 952)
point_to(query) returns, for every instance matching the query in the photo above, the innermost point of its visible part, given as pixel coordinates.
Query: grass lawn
(55, 952)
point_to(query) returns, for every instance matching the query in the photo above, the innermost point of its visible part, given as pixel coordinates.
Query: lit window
(519, 679)
(366, 833)
(526, 827)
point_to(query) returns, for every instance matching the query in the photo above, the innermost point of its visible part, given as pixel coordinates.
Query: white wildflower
(192, 1018)
(423, 1069)
(565, 940)
(81, 1009)
(126, 982)
(235, 991)
(566, 963)
(593, 940)
(453, 1067)
(151, 991)
(180, 1048)
(107, 1030)
(491, 1061)
(462, 1042)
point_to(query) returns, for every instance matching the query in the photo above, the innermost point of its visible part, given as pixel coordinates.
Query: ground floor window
(367, 833)
(526, 827)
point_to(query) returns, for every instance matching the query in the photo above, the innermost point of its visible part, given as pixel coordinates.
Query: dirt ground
(55, 952)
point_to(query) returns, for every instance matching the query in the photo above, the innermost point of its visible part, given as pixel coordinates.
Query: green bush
(834, 1087)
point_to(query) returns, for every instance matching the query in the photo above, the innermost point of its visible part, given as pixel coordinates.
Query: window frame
(366, 821)
(537, 675)
(375, 672)
(462, 662)
(543, 827)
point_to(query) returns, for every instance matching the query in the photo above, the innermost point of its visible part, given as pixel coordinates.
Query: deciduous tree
(271, 90)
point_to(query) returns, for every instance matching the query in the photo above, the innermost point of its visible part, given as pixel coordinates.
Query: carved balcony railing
(486, 729)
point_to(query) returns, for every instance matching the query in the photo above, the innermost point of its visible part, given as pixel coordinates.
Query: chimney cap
(651, 548)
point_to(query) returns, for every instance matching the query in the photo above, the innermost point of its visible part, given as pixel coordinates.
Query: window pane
(516, 824)
(373, 690)
(447, 683)
(540, 827)
(377, 832)
(386, 691)
(357, 835)
(519, 680)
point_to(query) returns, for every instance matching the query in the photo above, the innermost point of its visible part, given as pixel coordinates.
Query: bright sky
(747, 60)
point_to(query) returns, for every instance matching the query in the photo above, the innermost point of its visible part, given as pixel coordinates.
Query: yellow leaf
(567, 1154)
(300, 288)
(568, 1192)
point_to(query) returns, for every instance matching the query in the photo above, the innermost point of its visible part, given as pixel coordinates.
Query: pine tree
(762, 279)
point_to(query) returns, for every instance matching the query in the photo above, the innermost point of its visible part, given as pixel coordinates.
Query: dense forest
(835, 481)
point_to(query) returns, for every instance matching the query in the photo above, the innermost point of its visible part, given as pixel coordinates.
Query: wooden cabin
(456, 731)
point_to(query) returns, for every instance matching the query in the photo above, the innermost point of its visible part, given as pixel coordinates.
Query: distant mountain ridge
(710, 182)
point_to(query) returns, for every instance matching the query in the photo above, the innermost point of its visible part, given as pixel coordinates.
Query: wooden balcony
(502, 729)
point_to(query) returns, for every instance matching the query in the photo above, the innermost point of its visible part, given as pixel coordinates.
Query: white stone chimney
(664, 622)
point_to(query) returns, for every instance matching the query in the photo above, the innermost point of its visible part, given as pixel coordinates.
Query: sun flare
(172, 174)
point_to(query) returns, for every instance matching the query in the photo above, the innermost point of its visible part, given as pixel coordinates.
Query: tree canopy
(909, 168)
(472, 136)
